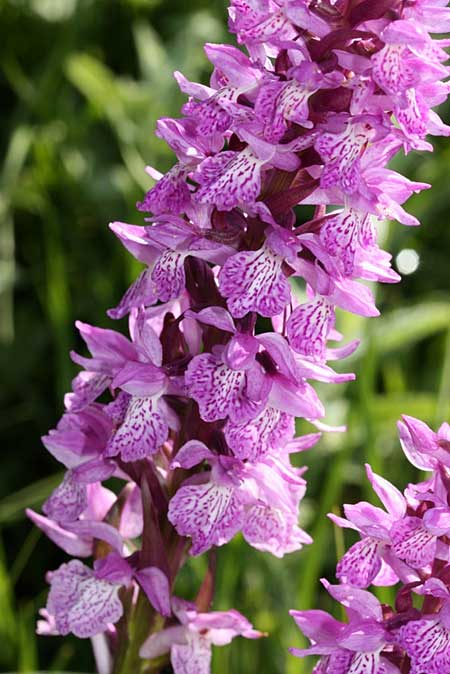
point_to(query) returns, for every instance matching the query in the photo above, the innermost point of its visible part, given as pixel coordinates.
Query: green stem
(444, 388)
(142, 616)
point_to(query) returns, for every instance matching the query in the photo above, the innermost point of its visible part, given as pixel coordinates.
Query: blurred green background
(82, 84)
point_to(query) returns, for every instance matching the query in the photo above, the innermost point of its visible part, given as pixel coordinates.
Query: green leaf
(386, 410)
(26, 637)
(154, 59)
(12, 507)
(403, 328)
(97, 83)
(8, 618)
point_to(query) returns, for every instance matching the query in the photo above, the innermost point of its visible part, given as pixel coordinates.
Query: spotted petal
(239, 180)
(281, 103)
(309, 326)
(427, 643)
(254, 281)
(81, 603)
(365, 663)
(412, 542)
(273, 530)
(253, 439)
(219, 390)
(168, 275)
(361, 564)
(209, 115)
(142, 433)
(210, 514)
(169, 195)
(341, 154)
(67, 501)
(336, 663)
(86, 387)
(140, 293)
(340, 235)
(392, 70)
(194, 657)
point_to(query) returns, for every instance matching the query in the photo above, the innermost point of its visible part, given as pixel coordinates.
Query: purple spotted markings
(341, 153)
(229, 179)
(142, 432)
(309, 326)
(221, 391)
(405, 545)
(79, 603)
(255, 281)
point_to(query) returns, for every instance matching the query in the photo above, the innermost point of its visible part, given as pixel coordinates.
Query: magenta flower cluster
(193, 414)
(405, 544)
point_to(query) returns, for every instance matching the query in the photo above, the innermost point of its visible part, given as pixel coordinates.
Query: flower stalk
(231, 318)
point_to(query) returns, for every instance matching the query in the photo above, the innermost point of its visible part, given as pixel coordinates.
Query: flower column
(194, 413)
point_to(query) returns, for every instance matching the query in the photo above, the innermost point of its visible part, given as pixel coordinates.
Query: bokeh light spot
(407, 261)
